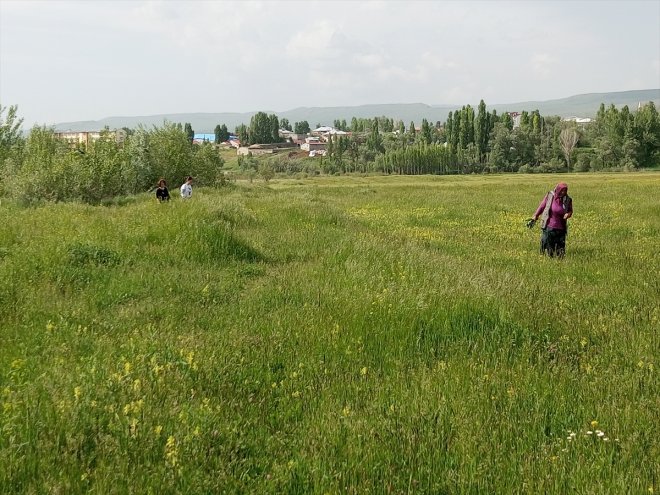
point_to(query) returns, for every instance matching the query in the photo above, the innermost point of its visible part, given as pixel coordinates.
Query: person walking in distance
(555, 209)
(186, 188)
(162, 194)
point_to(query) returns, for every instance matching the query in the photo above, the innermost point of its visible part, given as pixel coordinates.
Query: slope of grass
(385, 334)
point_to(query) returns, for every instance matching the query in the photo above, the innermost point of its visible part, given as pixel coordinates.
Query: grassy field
(335, 335)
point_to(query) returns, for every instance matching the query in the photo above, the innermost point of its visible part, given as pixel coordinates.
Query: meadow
(333, 335)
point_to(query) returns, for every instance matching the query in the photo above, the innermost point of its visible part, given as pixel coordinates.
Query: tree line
(41, 166)
(483, 141)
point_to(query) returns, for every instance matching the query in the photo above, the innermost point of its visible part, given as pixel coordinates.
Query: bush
(266, 171)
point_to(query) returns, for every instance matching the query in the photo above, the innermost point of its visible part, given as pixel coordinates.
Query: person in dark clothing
(162, 194)
(555, 209)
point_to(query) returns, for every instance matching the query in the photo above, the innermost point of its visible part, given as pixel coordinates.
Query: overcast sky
(85, 60)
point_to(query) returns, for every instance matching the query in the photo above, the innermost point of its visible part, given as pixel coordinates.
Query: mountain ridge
(583, 105)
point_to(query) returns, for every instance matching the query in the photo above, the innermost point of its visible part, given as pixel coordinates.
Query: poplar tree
(481, 131)
(449, 127)
(375, 140)
(189, 132)
(426, 132)
(274, 128)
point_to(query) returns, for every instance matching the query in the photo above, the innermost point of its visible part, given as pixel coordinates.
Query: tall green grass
(335, 335)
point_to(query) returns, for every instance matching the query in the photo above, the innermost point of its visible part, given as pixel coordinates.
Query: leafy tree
(568, 139)
(456, 131)
(11, 140)
(411, 132)
(42, 173)
(284, 124)
(138, 175)
(647, 133)
(189, 132)
(206, 164)
(100, 177)
(507, 120)
(449, 127)
(499, 157)
(481, 131)
(266, 171)
(224, 133)
(260, 129)
(301, 127)
(466, 127)
(375, 140)
(170, 153)
(426, 132)
(10, 130)
(274, 129)
(243, 136)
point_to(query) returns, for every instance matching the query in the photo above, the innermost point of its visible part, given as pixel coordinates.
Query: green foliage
(10, 132)
(301, 127)
(170, 153)
(427, 132)
(243, 135)
(52, 170)
(40, 167)
(417, 159)
(190, 133)
(285, 124)
(247, 163)
(334, 335)
(85, 254)
(266, 171)
(221, 133)
(206, 165)
(375, 140)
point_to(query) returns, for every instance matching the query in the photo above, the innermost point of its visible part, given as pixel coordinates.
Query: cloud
(155, 56)
(543, 65)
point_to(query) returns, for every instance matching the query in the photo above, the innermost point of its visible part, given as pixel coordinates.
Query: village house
(76, 138)
(265, 149)
(578, 120)
(324, 132)
(313, 143)
(292, 136)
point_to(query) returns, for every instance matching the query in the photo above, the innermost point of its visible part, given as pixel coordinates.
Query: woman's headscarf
(562, 186)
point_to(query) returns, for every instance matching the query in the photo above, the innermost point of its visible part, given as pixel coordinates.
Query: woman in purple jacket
(555, 209)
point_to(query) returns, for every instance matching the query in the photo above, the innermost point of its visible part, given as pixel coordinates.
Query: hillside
(333, 335)
(581, 105)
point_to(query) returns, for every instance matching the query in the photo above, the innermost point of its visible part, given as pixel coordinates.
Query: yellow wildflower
(171, 452)
(132, 427)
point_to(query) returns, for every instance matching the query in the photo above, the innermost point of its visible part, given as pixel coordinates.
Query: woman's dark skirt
(553, 242)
